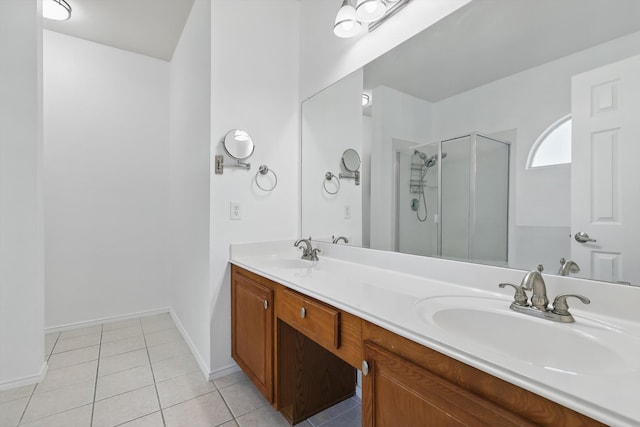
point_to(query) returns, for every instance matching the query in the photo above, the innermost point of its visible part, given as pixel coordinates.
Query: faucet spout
(533, 281)
(567, 267)
(308, 252)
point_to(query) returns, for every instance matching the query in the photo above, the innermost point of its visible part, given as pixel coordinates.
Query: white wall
(332, 123)
(106, 115)
(396, 117)
(254, 86)
(21, 247)
(190, 83)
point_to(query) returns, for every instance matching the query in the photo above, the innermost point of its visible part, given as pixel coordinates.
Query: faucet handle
(520, 298)
(313, 256)
(561, 307)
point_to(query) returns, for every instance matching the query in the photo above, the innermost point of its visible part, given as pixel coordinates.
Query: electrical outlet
(235, 213)
(347, 212)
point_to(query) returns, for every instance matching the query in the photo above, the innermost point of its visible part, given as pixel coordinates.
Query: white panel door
(605, 171)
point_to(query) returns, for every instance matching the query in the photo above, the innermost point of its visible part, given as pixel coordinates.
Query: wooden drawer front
(316, 320)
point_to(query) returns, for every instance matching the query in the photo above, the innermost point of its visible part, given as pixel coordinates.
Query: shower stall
(452, 199)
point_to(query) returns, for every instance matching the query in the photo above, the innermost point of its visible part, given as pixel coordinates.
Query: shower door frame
(472, 189)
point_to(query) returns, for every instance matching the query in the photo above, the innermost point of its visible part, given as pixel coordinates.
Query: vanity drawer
(317, 320)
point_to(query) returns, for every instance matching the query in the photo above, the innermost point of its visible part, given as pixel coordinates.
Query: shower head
(431, 161)
(422, 155)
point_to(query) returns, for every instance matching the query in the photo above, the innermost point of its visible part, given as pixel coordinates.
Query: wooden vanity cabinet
(252, 328)
(411, 385)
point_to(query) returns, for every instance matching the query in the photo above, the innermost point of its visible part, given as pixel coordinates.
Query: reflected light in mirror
(370, 10)
(56, 10)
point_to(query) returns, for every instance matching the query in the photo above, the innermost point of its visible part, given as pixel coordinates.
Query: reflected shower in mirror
(426, 191)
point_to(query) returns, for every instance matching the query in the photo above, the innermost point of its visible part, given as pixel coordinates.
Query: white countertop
(373, 286)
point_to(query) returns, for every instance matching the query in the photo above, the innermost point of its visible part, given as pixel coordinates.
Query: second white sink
(586, 347)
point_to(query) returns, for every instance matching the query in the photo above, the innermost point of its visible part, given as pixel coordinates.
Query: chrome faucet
(533, 281)
(568, 267)
(308, 252)
(336, 240)
(538, 307)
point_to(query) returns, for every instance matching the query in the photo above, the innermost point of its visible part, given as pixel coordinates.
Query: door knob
(583, 238)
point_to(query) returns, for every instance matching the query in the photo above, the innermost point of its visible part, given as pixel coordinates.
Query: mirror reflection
(238, 144)
(351, 160)
(506, 149)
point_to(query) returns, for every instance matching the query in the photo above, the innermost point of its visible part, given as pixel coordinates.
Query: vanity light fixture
(347, 25)
(353, 15)
(57, 10)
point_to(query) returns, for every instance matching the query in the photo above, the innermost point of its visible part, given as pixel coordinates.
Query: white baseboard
(222, 372)
(110, 319)
(204, 367)
(359, 392)
(28, 380)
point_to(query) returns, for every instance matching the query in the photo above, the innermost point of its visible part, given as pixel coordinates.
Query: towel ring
(328, 177)
(263, 170)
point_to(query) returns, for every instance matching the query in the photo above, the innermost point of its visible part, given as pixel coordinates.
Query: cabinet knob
(266, 304)
(365, 368)
(303, 312)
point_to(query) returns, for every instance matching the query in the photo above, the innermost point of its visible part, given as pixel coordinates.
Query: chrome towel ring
(328, 177)
(264, 170)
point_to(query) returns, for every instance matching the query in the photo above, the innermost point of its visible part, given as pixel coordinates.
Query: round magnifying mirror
(238, 144)
(351, 160)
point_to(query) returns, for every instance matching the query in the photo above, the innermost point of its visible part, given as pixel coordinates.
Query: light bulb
(370, 10)
(57, 10)
(346, 24)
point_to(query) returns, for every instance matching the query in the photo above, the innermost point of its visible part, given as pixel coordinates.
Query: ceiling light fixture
(365, 99)
(355, 14)
(57, 10)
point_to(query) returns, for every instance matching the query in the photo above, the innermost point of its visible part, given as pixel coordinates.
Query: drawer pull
(365, 368)
(266, 304)
(303, 312)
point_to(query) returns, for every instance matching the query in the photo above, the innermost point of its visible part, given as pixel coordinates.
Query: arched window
(553, 146)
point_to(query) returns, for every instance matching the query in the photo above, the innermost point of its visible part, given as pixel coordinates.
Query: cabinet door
(252, 331)
(398, 393)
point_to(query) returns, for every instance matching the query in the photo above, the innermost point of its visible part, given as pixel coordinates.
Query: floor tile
(79, 332)
(159, 324)
(168, 351)
(183, 388)
(125, 407)
(351, 418)
(332, 412)
(16, 393)
(120, 324)
(59, 400)
(121, 346)
(230, 379)
(122, 362)
(10, 412)
(49, 342)
(76, 342)
(122, 333)
(121, 382)
(161, 337)
(64, 377)
(77, 417)
(174, 367)
(242, 398)
(155, 318)
(231, 423)
(263, 417)
(204, 411)
(151, 420)
(73, 357)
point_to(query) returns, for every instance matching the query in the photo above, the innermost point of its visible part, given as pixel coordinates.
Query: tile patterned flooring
(140, 373)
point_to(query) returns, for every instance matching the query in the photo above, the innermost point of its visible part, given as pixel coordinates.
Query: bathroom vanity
(301, 329)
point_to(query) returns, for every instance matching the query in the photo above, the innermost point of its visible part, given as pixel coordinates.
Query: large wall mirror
(505, 134)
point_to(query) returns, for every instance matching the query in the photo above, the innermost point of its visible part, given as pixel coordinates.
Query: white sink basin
(586, 347)
(292, 263)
